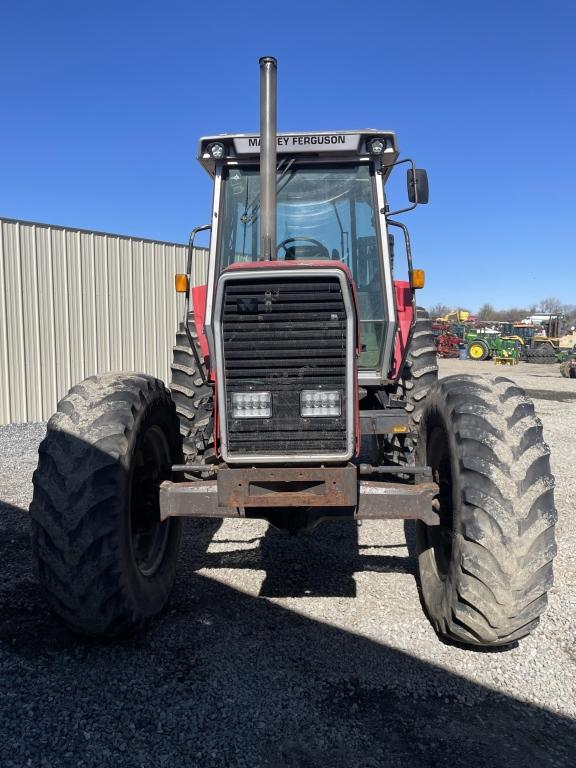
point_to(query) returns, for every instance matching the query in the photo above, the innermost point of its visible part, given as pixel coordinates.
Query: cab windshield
(322, 213)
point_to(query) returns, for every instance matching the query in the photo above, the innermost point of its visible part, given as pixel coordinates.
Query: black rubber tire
(485, 572)
(543, 354)
(530, 356)
(94, 485)
(485, 347)
(419, 375)
(194, 400)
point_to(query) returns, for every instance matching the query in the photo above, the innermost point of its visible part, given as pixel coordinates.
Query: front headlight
(251, 405)
(317, 402)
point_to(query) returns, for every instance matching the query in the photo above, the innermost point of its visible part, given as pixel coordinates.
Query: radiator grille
(284, 335)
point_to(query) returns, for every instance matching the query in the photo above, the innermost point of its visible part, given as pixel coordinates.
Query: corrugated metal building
(74, 303)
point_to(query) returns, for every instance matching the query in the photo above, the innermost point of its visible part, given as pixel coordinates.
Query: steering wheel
(321, 248)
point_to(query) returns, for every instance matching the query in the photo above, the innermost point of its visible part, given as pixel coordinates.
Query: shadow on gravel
(226, 679)
(317, 564)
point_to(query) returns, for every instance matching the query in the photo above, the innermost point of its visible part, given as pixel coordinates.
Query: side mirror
(417, 183)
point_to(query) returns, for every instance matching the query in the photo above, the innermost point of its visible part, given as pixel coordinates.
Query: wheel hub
(149, 536)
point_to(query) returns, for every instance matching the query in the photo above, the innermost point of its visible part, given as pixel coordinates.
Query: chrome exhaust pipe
(268, 67)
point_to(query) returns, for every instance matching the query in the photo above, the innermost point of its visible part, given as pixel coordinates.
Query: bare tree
(517, 314)
(569, 311)
(551, 304)
(438, 310)
(486, 312)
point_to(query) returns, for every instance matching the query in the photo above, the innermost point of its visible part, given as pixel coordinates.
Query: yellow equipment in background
(458, 316)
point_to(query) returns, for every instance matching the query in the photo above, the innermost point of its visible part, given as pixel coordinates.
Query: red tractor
(305, 388)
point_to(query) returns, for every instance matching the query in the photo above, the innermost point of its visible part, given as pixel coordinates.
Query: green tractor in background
(487, 343)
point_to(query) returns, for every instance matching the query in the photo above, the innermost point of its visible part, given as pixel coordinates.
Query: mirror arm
(406, 233)
(411, 207)
(404, 229)
(197, 360)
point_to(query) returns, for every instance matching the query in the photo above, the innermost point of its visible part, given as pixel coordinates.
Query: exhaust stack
(268, 66)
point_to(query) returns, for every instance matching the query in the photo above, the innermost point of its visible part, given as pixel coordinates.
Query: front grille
(284, 335)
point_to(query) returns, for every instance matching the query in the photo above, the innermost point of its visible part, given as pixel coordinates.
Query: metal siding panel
(6, 399)
(200, 267)
(15, 324)
(161, 296)
(32, 375)
(171, 266)
(62, 331)
(101, 290)
(47, 356)
(73, 303)
(76, 312)
(127, 356)
(150, 286)
(139, 337)
(89, 303)
(116, 339)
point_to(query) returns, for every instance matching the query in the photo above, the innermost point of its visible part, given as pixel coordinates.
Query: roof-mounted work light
(376, 146)
(217, 151)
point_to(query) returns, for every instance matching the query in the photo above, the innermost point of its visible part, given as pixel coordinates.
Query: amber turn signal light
(182, 284)
(417, 278)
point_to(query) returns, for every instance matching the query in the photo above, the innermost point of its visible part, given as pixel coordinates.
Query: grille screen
(284, 335)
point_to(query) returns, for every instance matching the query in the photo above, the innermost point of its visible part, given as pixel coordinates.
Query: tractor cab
(330, 208)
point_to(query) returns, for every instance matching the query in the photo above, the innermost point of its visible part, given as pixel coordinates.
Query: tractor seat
(297, 252)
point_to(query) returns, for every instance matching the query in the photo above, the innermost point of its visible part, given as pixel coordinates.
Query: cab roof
(314, 145)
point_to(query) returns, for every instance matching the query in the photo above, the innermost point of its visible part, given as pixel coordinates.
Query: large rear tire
(419, 375)
(105, 562)
(194, 400)
(486, 570)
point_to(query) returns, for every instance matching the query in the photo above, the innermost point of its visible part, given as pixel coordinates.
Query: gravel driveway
(298, 652)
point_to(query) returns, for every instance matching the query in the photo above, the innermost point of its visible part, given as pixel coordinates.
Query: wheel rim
(440, 537)
(476, 351)
(149, 536)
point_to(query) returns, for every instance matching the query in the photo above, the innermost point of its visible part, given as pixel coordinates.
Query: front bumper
(261, 489)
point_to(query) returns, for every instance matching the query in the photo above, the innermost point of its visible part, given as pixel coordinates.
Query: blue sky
(102, 105)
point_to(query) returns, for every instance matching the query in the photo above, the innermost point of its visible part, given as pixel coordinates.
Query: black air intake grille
(284, 335)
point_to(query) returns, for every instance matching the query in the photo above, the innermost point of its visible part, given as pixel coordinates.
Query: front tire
(486, 570)
(105, 562)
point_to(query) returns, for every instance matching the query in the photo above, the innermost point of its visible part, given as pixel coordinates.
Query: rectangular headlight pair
(313, 403)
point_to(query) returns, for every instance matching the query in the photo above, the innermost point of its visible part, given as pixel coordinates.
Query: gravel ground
(278, 651)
